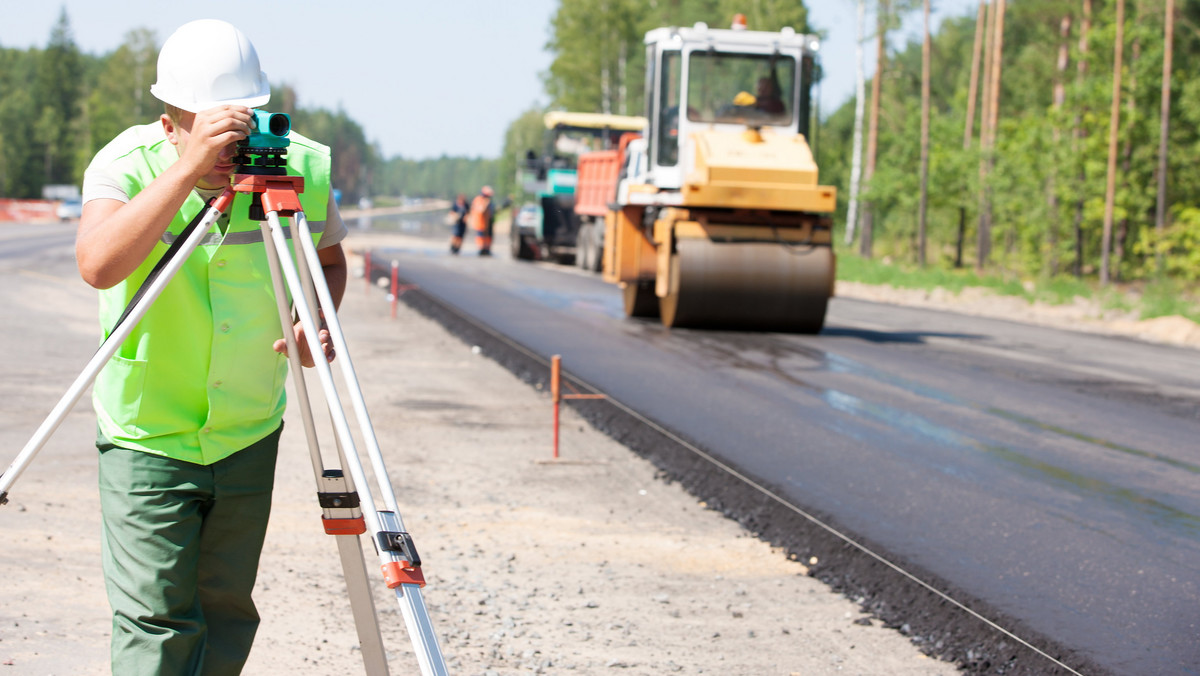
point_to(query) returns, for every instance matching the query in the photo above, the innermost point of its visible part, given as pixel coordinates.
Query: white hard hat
(209, 63)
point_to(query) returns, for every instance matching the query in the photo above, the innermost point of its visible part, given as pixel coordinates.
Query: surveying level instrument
(347, 505)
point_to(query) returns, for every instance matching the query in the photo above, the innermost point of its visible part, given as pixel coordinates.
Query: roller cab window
(668, 137)
(750, 89)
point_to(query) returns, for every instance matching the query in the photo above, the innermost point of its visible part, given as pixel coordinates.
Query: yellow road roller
(716, 218)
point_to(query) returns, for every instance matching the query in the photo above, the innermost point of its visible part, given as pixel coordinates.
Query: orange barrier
(28, 211)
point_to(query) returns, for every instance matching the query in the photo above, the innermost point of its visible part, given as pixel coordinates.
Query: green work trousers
(180, 550)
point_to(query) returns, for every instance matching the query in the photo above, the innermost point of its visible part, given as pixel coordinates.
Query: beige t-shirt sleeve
(335, 228)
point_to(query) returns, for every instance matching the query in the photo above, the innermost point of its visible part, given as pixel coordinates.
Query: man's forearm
(333, 266)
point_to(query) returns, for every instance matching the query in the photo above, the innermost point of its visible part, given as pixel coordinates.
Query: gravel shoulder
(588, 564)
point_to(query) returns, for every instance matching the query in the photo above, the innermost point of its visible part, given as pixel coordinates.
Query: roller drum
(749, 285)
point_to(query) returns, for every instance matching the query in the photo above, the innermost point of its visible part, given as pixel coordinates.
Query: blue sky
(422, 78)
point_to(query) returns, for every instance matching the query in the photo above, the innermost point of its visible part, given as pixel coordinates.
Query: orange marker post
(395, 286)
(367, 269)
(556, 395)
(555, 369)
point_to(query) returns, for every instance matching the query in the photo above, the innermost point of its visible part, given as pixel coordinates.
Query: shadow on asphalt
(909, 337)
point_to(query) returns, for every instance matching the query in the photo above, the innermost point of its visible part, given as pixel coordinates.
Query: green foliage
(1048, 170)
(120, 94)
(354, 159)
(524, 134)
(599, 58)
(1178, 246)
(1160, 298)
(1167, 297)
(854, 268)
(1062, 289)
(56, 98)
(58, 107)
(19, 175)
(442, 177)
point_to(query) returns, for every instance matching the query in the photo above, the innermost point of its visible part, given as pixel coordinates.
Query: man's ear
(170, 128)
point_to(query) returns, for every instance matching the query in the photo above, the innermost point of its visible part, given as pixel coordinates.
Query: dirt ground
(589, 564)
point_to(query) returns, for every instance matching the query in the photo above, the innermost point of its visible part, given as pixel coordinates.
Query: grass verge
(1149, 299)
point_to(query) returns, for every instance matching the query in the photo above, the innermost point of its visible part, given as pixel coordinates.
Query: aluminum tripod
(348, 507)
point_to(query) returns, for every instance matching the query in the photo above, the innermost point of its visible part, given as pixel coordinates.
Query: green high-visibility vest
(198, 379)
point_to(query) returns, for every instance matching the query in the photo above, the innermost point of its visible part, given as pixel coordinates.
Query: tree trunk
(1084, 29)
(622, 90)
(1164, 127)
(1135, 53)
(859, 105)
(1114, 126)
(924, 142)
(986, 134)
(1060, 97)
(997, 64)
(962, 235)
(868, 225)
(994, 122)
(973, 88)
(605, 92)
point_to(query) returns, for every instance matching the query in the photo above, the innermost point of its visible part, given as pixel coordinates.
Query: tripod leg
(400, 563)
(310, 259)
(109, 348)
(289, 336)
(354, 570)
(362, 604)
(398, 575)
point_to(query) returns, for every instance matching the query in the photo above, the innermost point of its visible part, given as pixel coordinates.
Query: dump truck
(598, 175)
(548, 228)
(716, 217)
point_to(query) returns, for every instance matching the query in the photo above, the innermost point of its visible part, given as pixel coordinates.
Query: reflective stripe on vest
(198, 379)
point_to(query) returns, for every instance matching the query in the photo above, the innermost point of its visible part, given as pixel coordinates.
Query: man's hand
(207, 143)
(306, 358)
(116, 236)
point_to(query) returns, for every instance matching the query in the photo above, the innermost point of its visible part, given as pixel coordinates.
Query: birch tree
(881, 23)
(1164, 127)
(924, 204)
(1114, 126)
(859, 105)
(1080, 132)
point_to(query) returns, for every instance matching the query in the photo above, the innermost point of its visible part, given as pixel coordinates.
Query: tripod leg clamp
(408, 569)
(395, 574)
(341, 513)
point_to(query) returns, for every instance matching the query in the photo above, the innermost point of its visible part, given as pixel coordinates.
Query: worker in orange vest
(480, 219)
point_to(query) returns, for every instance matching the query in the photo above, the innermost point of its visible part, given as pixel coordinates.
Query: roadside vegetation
(1048, 153)
(1041, 149)
(1162, 297)
(58, 106)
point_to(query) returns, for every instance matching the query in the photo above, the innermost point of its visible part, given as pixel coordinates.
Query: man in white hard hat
(190, 408)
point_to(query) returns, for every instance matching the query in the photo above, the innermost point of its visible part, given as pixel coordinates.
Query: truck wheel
(583, 246)
(520, 247)
(596, 249)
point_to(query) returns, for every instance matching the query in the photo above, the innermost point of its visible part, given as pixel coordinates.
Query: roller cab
(718, 218)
